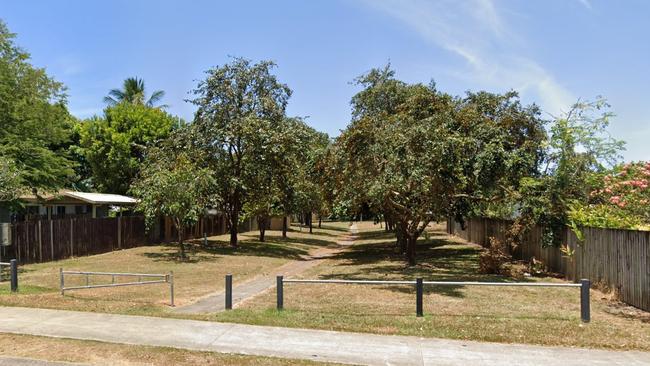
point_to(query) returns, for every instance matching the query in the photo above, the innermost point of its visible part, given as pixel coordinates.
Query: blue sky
(552, 51)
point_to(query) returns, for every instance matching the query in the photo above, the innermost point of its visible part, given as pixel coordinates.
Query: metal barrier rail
(13, 272)
(584, 285)
(162, 278)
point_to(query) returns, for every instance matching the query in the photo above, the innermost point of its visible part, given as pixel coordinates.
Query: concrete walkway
(351, 348)
(246, 290)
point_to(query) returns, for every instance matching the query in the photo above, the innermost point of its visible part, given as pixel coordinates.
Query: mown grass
(200, 275)
(546, 316)
(70, 350)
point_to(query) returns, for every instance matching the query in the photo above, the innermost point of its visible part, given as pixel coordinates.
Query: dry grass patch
(548, 316)
(202, 274)
(98, 353)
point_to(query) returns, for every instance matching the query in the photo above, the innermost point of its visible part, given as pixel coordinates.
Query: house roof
(102, 198)
(65, 197)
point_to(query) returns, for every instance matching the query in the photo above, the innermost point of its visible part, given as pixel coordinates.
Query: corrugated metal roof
(101, 198)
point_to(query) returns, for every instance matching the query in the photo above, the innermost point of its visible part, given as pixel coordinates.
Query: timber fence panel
(618, 259)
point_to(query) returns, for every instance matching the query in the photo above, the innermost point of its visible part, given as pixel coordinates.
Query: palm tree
(133, 91)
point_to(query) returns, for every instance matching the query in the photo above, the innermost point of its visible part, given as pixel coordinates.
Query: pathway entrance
(247, 290)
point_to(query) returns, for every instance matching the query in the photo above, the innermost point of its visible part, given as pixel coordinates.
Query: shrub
(496, 258)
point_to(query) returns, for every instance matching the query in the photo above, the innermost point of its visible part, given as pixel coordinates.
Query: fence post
(119, 231)
(205, 239)
(279, 285)
(585, 311)
(228, 291)
(71, 238)
(62, 281)
(14, 275)
(52, 239)
(40, 242)
(171, 287)
(419, 289)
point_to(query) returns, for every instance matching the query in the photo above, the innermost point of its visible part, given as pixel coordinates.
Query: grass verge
(70, 350)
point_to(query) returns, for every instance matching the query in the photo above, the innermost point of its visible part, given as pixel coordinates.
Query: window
(60, 210)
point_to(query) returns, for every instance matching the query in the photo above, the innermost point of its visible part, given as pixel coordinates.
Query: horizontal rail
(113, 274)
(157, 278)
(436, 283)
(531, 284)
(5, 264)
(356, 282)
(114, 284)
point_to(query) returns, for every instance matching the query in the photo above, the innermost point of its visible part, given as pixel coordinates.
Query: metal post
(62, 281)
(228, 291)
(585, 311)
(205, 239)
(14, 275)
(419, 287)
(279, 284)
(171, 287)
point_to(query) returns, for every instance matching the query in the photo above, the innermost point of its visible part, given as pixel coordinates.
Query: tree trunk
(261, 223)
(284, 227)
(410, 250)
(181, 246)
(311, 231)
(402, 237)
(320, 220)
(233, 236)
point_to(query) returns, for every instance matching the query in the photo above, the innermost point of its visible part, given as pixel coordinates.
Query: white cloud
(476, 32)
(585, 3)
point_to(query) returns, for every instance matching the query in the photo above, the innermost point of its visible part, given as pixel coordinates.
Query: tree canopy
(171, 184)
(415, 154)
(237, 104)
(36, 125)
(113, 145)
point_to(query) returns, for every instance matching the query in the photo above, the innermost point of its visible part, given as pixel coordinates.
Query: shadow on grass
(438, 259)
(217, 249)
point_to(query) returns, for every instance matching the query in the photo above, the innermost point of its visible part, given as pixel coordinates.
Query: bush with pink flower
(622, 195)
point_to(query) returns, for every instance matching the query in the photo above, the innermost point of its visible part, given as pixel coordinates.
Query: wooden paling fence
(49, 240)
(619, 259)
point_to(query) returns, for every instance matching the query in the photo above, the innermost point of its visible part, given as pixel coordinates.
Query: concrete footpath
(318, 345)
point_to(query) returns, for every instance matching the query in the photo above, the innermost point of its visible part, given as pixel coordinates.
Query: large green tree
(35, 125)
(416, 154)
(113, 145)
(236, 102)
(171, 184)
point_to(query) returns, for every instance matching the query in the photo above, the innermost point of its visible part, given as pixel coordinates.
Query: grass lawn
(201, 275)
(70, 350)
(547, 316)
